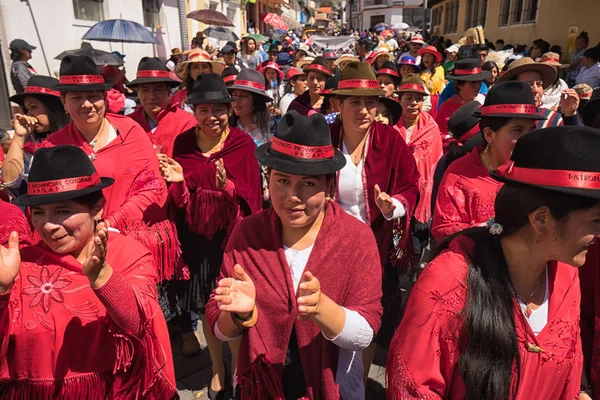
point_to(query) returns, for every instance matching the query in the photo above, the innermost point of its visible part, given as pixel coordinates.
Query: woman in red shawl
(215, 181)
(422, 136)
(467, 192)
(79, 317)
(378, 185)
(161, 121)
(120, 149)
(496, 315)
(311, 101)
(13, 219)
(298, 297)
(468, 76)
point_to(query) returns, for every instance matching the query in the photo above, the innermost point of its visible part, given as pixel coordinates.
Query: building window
(516, 12)
(530, 12)
(475, 13)
(213, 6)
(436, 16)
(451, 17)
(231, 14)
(88, 10)
(376, 19)
(504, 13)
(151, 12)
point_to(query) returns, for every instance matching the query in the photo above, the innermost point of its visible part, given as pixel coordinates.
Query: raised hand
(309, 295)
(10, 262)
(221, 175)
(95, 261)
(236, 294)
(384, 202)
(170, 169)
(569, 102)
(24, 124)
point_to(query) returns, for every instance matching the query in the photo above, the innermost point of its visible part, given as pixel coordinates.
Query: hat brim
(470, 78)
(20, 98)
(548, 73)
(182, 68)
(191, 100)
(424, 93)
(410, 65)
(307, 69)
(83, 88)
(42, 199)
(358, 92)
(251, 90)
(438, 56)
(292, 165)
(394, 107)
(537, 117)
(345, 59)
(172, 83)
(589, 193)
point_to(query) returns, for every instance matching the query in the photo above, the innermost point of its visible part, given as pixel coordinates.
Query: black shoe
(214, 395)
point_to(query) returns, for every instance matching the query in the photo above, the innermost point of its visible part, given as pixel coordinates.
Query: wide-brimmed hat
(431, 50)
(61, 173)
(229, 74)
(319, 64)
(345, 58)
(38, 85)
(553, 59)
(294, 72)
(394, 107)
(453, 49)
(198, 56)
(330, 54)
(358, 79)
(284, 58)
(417, 39)
(511, 99)
(301, 146)
(273, 66)
(252, 81)
(560, 159)
(526, 64)
(412, 83)
(208, 89)
(152, 70)
(389, 68)
(409, 60)
(468, 69)
(229, 48)
(381, 51)
(591, 110)
(305, 61)
(464, 125)
(80, 73)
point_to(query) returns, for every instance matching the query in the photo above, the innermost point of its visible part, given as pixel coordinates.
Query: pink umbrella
(275, 21)
(386, 32)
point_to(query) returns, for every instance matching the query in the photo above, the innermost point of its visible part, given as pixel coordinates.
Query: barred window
(531, 8)
(151, 12)
(516, 12)
(451, 17)
(89, 10)
(504, 13)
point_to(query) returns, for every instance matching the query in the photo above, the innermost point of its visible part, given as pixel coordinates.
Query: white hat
(453, 49)
(417, 39)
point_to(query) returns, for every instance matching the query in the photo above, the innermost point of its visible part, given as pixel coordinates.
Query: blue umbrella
(120, 30)
(381, 27)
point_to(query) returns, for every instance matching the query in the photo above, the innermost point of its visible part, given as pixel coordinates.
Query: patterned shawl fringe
(209, 212)
(261, 382)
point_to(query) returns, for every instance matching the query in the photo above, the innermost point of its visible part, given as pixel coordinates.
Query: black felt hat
(61, 173)
(301, 146)
(562, 159)
(38, 85)
(152, 70)
(208, 89)
(394, 107)
(80, 73)
(591, 110)
(330, 84)
(252, 81)
(468, 69)
(463, 124)
(229, 74)
(510, 99)
(389, 68)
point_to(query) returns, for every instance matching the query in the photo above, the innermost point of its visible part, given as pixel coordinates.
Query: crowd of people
(437, 199)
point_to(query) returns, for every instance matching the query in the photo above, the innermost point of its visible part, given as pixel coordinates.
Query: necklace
(528, 311)
(485, 161)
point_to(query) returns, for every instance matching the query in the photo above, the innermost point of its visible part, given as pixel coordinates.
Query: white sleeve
(399, 211)
(356, 335)
(221, 336)
(285, 103)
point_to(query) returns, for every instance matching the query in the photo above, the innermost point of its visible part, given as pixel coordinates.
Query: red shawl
(465, 198)
(302, 105)
(426, 145)
(209, 209)
(135, 202)
(344, 253)
(589, 276)
(172, 121)
(179, 97)
(13, 219)
(423, 357)
(62, 339)
(446, 110)
(390, 164)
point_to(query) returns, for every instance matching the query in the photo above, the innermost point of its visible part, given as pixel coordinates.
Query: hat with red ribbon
(301, 146)
(319, 64)
(152, 70)
(468, 69)
(412, 83)
(358, 79)
(561, 159)
(252, 81)
(510, 99)
(230, 74)
(61, 173)
(433, 51)
(80, 73)
(38, 85)
(389, 68)
(294, 72)
(274, 66)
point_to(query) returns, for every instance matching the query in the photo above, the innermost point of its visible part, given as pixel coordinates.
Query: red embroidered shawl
(12, 218)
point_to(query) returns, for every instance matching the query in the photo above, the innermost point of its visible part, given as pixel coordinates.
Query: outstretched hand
(170, 169)
(10, 262)
(309, 296)
(384, 202)
(236, 294)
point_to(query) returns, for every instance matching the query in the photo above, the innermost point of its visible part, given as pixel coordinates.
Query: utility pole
(37, 31)
(183, 32)
(425, 18)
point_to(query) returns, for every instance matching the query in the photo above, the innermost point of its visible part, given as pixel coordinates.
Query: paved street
(193, 373)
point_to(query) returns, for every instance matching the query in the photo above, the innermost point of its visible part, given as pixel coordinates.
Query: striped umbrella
(120, 30)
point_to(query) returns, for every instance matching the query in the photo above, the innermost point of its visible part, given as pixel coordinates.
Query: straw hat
(198, 56)
(527, 64)
(553, 59)
(345, 58)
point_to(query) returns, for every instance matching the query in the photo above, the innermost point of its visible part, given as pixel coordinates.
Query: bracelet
(245, 323)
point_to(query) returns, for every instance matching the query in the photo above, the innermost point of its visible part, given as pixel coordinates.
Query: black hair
(556, 49)
(57, 116)
(301, 52)
(367, 43)
(288, 85)
(491, 352)
(482, 47)
(508, 47)
(91, 199)
(593, 54)
(494, 123)
(520, 48)
(507, 64)
(261, 115)
(15, 55)
(543, 46)
(489, 65)
(501, 41)
(584, 35)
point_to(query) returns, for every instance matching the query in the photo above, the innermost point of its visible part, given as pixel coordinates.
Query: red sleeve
(179, 194)
(450, 214)
(406, 189)
(425, 349)
(442, 118)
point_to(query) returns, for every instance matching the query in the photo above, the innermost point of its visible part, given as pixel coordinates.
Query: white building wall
(59, 31)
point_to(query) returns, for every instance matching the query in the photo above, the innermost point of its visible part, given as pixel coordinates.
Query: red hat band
(81, 79)
(509, 109)
(229, 78)
(358, 84)
(320, 68)
(250, 84)
(63, 185)
(387, 71)
(412, 86)
(554, 60)
(330, 54)
(473, 71)
(555, 178)
(302, 151)
(152, 73)
(43, 90)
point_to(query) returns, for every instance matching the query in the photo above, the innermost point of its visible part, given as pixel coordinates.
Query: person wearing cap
(469, 76)
(20, 71)
(214, 182)
(229, 54)
(389, 78)
(408, 65)
(162, 121)
(317, 73)
(298, 297)
(451, 53)
(198, 62)
(284, 60)
(523, 267)
(415, 44)
(79, 316)
(119, 148)
(378, 185)
(174, 59)
(296, 86)
(229, 74)
(330, 56)
(422, 135)
(467, 192)
(274, 84)
(42, 114)
(431, 71)
(251, 112)
(248, 57)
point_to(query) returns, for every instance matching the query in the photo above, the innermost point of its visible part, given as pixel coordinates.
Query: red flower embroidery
(46, 288)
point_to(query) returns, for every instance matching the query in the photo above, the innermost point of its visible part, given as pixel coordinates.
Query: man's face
(482, 55)
(415, 47)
